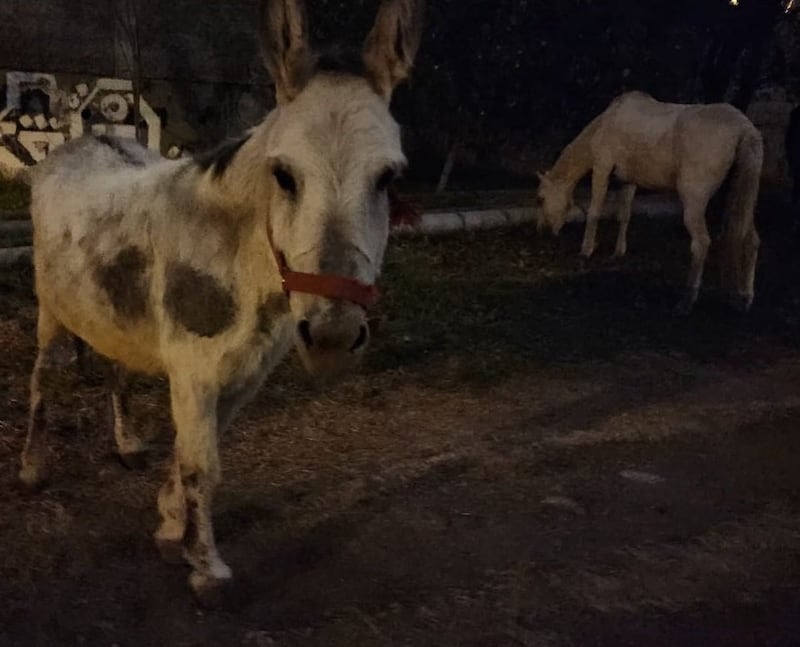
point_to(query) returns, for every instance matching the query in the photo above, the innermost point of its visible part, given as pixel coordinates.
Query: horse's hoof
(209, 591)
(741, 303)
(171, 550)
(135, 461)
(686, 304)
(683, 308)
(32, 477)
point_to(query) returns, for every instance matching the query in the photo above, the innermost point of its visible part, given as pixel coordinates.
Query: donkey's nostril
(363, 335)
(304, 330)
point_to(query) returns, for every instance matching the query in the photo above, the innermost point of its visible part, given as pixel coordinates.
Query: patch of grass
(491, 302)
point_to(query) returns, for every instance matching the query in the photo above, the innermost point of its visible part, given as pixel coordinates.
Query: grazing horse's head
(554, 200)
(330, 151)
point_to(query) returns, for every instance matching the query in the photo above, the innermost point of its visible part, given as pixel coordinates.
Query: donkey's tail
(741, 203)
(15, 174)
(11, 150)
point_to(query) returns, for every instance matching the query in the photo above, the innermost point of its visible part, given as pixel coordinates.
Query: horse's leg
(796, 202)
(626, 194)
(129, 447)
(599, 189)
(748, 273)
(34, 455)
(194, 410)
(694, 212)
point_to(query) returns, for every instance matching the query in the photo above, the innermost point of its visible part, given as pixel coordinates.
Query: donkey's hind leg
(129, 447)
(694, 218)
(34, 455)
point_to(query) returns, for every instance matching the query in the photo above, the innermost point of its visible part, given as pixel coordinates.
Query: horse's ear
(541, 175)
(285, 45)
(392, 44)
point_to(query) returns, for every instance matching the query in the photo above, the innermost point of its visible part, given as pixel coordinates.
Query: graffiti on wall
(39, 116)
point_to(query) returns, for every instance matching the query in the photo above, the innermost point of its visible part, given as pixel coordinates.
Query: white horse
(689, 148)
(209, 270)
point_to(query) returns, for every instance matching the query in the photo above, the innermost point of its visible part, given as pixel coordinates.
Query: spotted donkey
(208, 270)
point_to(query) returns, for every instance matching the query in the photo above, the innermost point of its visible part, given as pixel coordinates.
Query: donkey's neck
(239, 195)
(576, 159)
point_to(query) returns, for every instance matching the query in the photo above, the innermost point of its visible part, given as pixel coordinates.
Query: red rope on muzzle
(329, 286)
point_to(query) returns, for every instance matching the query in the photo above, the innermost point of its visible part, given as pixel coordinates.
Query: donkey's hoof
(136, 461)
(171, 550)
(210, 591)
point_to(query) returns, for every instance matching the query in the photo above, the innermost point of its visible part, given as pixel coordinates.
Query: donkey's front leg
(172, 509)
(599, 190)
(194, 409)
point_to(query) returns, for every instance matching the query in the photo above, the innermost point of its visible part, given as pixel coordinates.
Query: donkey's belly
(105, 300)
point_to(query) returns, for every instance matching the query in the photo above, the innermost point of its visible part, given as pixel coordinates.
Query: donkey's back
(93, 249)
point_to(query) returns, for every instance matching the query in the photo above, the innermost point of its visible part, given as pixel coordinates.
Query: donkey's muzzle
(332, 339)
(327, 341)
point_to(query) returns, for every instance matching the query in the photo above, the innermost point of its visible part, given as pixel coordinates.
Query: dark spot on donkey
(197, 301)
(125, 281)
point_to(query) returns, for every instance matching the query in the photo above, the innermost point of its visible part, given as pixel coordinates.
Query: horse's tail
(741, 203)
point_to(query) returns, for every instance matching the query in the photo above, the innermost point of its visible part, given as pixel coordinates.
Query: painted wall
(40, 115)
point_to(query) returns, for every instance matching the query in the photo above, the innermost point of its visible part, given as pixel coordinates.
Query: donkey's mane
(340, 59)
(219, 158)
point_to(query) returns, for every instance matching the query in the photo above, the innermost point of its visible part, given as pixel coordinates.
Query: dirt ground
(536, 454)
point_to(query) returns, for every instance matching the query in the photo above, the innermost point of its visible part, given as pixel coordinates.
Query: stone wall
(202, 75)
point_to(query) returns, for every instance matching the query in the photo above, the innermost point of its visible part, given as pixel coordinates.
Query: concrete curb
(437, 222)
(445, 222)
(12, 255)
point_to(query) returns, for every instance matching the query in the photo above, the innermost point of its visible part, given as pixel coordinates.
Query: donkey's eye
(385, 179)
(285, 180)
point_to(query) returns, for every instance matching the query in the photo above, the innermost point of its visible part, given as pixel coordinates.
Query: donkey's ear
(392, 44)
(285, 45)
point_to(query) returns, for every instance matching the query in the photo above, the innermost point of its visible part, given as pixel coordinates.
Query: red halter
(329, 286)
(332, 286)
